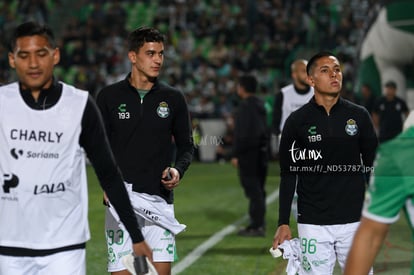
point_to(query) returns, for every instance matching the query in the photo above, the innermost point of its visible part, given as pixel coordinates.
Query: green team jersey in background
(392, 183)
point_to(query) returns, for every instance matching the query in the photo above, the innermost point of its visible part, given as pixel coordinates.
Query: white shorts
(63, 263)
(322, 245)
(119, 243)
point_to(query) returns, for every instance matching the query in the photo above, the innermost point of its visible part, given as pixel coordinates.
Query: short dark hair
(316, 57)
(29, 29)
(391, 84)
(249, 83)
(141, 35)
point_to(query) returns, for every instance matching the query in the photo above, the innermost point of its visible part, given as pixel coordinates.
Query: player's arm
(183, 137)
(287, 175)
(368, 143)
(237, 132)
(93, 139)
(365, 246)
(286, 193)
(287, 184)
(245, 128)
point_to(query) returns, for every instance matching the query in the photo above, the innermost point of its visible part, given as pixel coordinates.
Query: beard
(303, 82)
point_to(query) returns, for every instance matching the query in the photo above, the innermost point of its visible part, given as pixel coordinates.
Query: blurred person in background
(250, 152)
(367, 98)
(389, 113)
(291, 97)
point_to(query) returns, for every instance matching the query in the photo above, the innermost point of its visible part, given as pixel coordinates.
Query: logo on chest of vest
(163, 110)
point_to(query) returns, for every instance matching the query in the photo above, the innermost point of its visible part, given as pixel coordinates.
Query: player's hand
(105, 199)
(170, 178)
(235, 162)
(142, 248)
(282, 233)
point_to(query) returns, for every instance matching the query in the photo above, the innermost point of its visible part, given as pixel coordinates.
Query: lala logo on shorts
(163, 111)
(351, 127)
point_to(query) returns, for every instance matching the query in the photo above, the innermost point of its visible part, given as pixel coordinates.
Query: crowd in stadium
(209, 42)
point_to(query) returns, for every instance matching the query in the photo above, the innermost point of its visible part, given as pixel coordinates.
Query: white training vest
(292, 101)
(43, 194)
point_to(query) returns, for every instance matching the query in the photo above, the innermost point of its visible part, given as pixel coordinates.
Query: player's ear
(132, 56)
(56, 56)
(310, 81)
(11, 60)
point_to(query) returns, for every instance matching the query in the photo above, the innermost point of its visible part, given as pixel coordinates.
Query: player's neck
(326, 100)
(141, 82)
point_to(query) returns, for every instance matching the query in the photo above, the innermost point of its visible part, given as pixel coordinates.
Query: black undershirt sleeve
(183, 138)
(286, 192)
(93, 139)
(287, 178)
(368, 144)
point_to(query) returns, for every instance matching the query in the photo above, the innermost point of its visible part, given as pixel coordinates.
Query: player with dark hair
(326, 147)
(45, 127)
(142, 116)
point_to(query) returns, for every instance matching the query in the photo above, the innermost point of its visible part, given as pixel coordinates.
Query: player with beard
(292, 96)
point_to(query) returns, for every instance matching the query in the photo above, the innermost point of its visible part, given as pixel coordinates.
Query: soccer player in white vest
(293, 96)
(45, 127)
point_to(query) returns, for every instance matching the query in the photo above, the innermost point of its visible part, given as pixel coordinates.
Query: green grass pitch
(209, 199)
